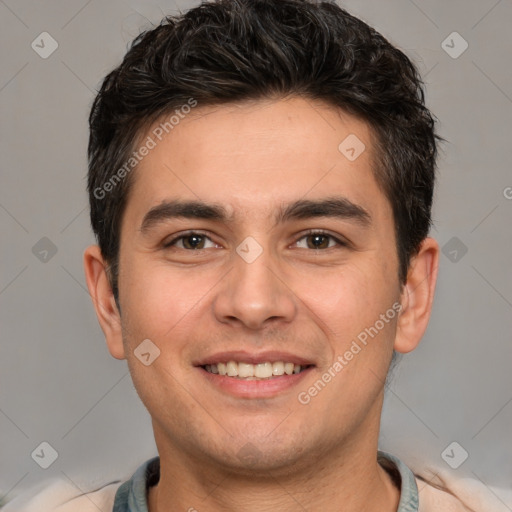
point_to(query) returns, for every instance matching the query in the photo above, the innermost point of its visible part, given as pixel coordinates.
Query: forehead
(255, 155)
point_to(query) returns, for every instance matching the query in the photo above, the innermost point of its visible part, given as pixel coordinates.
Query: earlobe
(103, 300)
(417, 297)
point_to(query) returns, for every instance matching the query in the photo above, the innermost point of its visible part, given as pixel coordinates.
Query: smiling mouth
(260, 371)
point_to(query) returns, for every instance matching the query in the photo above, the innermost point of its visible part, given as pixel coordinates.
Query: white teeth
(254, 371)
(278, 368)
(263, 370)
(245, 370)
(232, 369)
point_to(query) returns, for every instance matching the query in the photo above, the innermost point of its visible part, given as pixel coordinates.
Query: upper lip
(243, 356)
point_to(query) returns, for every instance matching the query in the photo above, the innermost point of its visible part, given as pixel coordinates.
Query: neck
(376, 493)
(347, 478)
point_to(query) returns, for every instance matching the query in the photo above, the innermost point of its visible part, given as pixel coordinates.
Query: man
(261, 176)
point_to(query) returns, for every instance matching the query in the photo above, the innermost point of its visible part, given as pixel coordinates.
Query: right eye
(189, 241)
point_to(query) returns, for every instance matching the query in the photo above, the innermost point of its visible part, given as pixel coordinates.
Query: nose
(255, 294)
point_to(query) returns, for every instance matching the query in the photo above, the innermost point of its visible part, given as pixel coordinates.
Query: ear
(103, 300)
(417, 296)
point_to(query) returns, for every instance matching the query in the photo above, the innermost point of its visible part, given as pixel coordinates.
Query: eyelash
(311, 232)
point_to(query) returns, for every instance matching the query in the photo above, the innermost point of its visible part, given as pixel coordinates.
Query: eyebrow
(333, 207)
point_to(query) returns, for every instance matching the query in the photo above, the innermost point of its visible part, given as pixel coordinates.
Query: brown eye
(319, 240)
(190, 241)
(193, 241)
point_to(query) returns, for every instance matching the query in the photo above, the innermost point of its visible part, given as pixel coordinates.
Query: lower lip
(266, 388)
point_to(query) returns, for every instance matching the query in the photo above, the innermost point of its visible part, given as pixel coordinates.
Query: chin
(250, 454)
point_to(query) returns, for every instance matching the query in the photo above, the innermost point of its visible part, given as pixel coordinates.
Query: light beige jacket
(464, 495)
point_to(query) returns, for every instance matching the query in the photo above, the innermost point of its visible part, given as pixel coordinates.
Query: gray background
(58, 382)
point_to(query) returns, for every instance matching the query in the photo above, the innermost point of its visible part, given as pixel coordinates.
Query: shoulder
(61, 496)
(435, 499)
(441, 492)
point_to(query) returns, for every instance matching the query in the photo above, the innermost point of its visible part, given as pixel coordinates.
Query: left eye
(319, 241)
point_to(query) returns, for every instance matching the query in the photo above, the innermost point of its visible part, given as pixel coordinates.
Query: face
(252, 244)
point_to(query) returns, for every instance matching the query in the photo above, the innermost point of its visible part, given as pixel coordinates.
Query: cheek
(161, 307)
(160, 301)
(350, 301)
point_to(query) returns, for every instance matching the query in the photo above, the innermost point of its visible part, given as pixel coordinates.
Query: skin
(253, 158)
